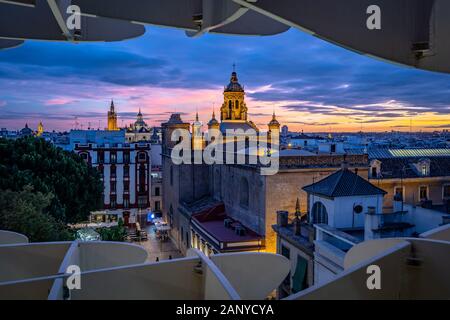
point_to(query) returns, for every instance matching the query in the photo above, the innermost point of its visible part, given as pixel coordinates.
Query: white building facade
(126, 175)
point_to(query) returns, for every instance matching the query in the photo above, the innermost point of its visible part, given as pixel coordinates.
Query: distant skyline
(312, 85)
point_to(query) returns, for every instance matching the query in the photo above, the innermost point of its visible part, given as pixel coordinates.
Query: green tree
(117, 233)
(76, 187)
(24, 212)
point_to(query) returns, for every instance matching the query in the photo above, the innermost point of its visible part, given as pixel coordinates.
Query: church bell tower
(234, 107)
(112, 118)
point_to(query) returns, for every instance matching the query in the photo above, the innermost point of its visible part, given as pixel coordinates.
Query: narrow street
(158, 249)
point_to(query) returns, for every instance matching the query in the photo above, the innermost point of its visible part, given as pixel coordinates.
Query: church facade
(232, 207)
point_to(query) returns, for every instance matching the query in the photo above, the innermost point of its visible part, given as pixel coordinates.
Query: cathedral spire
(297, 209)
(112, 118)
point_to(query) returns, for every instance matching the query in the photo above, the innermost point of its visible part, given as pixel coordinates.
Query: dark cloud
(303, 73)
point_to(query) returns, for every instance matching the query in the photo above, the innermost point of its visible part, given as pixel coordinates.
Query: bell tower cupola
(234, 107)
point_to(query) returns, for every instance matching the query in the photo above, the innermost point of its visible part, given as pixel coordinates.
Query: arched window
(319, 213)
(244, 192)
(171, 216)
(237, 104)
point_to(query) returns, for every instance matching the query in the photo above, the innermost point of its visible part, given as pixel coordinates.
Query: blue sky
(311, 84)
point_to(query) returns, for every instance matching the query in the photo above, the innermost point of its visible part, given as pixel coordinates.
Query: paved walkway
(158, 249)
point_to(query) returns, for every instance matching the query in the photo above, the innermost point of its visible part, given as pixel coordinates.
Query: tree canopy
(67, 187)
(24, 212)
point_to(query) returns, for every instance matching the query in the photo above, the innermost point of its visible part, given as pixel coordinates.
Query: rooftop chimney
(282, 218)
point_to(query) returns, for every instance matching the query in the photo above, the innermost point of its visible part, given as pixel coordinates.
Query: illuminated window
(423, 193)
(424, 170)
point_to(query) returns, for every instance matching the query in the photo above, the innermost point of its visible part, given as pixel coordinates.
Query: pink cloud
(58, 101)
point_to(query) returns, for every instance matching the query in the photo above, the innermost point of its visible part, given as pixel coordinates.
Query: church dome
(213, 122)
(26, 131)
(274, 122)
(140, 124)
(234, 85)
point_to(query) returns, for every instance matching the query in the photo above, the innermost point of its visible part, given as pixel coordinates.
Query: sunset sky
(312, 85)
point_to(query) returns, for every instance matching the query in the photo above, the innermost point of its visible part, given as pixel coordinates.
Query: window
(285, 252)
(424, 170)
(319, 213)
(157, 192)
(101, 157)
(244, 193)
(142, 202)
(126, 157)
(126, 172)
(333, 148)
(126, 202)
(113, 186)
(113, 171)
(126, 186)
(113, 158)
(157, 206)
(423, 193)
(113, 203)
(299, 279)
(446, 191)
(374, 172)
(142, 156)
(100, 171)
